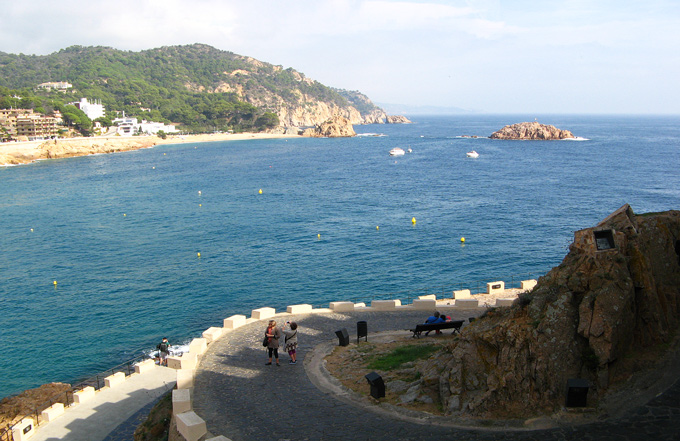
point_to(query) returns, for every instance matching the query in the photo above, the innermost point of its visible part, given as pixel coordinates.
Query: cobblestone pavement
(241, 398)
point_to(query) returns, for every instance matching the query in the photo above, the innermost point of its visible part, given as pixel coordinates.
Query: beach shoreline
(18, 153)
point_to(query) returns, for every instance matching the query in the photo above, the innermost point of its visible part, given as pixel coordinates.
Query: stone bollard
(263, 313)
(23, 430)
(385, 305)
(114, 380)
(181, 401)
(145, 366)
(211, 334)
(235, 321)
(83, 395)
(341, 306)
(191, 426)
(299, 309)
(52, 412)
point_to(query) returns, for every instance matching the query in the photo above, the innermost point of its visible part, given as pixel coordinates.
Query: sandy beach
(16, 153)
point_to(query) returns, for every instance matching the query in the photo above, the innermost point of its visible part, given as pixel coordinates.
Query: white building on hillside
(130, 126)
(93, 110)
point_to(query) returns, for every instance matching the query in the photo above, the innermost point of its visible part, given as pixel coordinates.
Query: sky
(486, 56)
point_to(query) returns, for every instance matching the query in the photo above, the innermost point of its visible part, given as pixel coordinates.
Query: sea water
(121, 233)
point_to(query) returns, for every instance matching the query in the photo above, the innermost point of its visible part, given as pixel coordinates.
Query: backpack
(163, 347)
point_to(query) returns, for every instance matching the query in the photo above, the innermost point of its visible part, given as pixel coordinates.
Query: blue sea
(121, 233)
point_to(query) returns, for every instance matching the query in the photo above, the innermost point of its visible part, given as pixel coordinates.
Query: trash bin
(362, 330)
(343, 337)
(377, 385)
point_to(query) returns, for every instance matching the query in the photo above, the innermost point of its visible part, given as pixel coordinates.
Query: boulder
(531, 130)
(336, 127)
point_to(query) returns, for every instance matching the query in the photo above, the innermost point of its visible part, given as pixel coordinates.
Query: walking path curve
(244, 400)
(103, 417)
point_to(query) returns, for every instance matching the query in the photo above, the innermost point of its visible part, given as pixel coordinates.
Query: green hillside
(198, 86)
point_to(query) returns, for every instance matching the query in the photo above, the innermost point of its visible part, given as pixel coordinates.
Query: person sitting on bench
(435, 318)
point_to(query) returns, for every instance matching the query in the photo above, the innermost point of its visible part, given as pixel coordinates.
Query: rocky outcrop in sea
(605, 314)
(397, 119)
(531, 130)
(336, 127)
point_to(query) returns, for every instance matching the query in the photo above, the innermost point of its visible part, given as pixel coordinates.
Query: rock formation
(336, 127)
(608, 305)
(397, 119)
(531, 130)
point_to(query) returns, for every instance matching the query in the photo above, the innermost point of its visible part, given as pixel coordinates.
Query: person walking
(273, 334)
(163, 351)
(291, 341)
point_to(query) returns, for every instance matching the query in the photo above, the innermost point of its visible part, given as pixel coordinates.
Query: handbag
(265, 342)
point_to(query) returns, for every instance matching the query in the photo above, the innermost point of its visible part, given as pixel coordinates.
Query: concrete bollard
(467, 303)
(528, 285)
(181, 401)
(462, 294)
(185, 378)
(211, 334)
(52, 412)
(114, 380)
(428, 296)
(83, 395)
(495, 287)
(425, 304)
(145, 366)
(198, 346)
(191, 426)
(23, 430)
(504, 302)
(263, 313)
(341, 306)
(235, 321)
(385, 305)
(299, 309)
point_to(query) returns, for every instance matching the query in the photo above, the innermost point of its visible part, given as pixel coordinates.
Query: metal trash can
(343, 337)
(362, 330)
(377, 385)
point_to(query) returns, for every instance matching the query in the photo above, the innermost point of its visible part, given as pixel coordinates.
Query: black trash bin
(343, 337)
(377, 385)
(362, 330)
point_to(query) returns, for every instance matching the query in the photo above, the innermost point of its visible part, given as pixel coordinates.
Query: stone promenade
(244, 400)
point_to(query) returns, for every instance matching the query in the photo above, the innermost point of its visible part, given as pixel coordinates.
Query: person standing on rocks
(273, 335)
(163, 351)
(291, 341)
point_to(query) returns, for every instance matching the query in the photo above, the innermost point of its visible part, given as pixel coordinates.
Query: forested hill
(196, 85)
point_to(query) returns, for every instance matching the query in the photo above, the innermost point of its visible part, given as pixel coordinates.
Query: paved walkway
(113, 414)
(241, 398)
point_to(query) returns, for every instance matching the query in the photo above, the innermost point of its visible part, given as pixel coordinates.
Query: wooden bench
(427, 327)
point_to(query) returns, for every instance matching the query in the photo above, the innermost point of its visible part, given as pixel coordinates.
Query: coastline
(18, 153)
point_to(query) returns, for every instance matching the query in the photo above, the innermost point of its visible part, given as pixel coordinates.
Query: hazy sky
(571, 56)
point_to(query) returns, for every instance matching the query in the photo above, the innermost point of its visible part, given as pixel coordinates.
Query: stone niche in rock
(531, 130)
(336, 127)
(596, 316)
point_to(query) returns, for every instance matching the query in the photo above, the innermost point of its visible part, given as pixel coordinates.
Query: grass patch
(401, 355)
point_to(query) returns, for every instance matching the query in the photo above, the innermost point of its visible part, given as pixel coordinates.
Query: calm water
(121, 233)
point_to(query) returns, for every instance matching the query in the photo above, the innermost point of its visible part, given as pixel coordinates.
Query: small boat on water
(397, 152)
(410, 150)
(472, 154)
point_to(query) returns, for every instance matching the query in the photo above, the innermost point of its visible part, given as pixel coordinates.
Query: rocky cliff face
(615, 296)
(336, 127)
(531, 130)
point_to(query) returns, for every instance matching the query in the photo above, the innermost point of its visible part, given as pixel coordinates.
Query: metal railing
(66, 398)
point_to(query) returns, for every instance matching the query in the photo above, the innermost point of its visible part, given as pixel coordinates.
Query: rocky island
(531, 130)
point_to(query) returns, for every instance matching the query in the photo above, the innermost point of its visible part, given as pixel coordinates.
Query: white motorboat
(472, 154)
(410, 150)
(397, 152)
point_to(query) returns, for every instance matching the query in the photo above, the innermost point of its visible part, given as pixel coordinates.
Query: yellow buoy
(318, 236)
(55, 283)
(31, 230)
(200, 205)
(377, 227)
(462, 240)
(260, 191)
(199, 192)
(199, 254)
(413, 221)
(154, 168)
(163, 154)
(124, 214)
